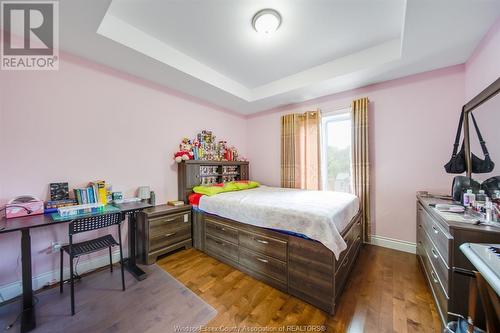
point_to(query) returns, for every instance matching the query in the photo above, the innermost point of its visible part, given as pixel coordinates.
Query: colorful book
(100, 186)
(84, 196)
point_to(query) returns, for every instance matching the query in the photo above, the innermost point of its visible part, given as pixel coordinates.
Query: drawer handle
(171, 219)
(220, 228)
(219, 242)
(420, 242)
(436, 231)
(434, 278)
(434, 253)
(261, 241)
(265, 261)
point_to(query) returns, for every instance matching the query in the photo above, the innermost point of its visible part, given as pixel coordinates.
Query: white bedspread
(319, 215)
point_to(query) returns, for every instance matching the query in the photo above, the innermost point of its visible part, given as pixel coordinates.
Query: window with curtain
(336, 148)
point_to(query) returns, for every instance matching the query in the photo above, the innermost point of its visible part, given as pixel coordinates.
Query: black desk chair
(74, 250)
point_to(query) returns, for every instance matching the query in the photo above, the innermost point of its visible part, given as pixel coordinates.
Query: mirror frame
(488, 93)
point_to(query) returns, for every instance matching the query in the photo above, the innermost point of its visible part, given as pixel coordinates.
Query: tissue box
(19, 209)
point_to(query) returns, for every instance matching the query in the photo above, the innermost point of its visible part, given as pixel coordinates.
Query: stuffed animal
(183, 155)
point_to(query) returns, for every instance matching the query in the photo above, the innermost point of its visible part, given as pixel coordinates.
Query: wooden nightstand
(162, 229)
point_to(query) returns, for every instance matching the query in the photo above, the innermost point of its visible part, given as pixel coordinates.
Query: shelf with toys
(207, 161)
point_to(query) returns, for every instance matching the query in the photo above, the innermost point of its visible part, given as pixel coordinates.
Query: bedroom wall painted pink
(412, 125)
(483, 67)
(63, 107)
(87, 122)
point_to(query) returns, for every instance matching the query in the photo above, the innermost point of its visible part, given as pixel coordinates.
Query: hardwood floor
(385, 293)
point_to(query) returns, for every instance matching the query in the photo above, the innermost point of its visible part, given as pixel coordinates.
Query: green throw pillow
(208, 190)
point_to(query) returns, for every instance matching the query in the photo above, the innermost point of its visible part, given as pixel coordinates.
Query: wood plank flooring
(386, 292)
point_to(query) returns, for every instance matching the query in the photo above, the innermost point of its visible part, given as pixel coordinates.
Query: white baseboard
(395, 244)
(14, 289)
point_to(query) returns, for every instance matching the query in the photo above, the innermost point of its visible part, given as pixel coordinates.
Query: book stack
(94, 193)
(59, 203)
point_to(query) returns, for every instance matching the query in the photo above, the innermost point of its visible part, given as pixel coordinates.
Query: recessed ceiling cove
(215, 42)
(210, 50)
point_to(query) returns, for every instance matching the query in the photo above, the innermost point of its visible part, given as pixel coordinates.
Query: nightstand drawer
(266, 245)
(169, 236)
(170, 219)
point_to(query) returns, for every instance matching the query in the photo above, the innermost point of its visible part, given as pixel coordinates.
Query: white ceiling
(221, 36)
(208, 49)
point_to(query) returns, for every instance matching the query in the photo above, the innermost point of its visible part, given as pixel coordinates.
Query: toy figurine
(205, 147)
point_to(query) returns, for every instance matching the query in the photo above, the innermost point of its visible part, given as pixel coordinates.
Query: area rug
(158, 304)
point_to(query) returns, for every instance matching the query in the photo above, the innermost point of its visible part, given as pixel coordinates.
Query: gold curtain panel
(361, 160)
(300, 150)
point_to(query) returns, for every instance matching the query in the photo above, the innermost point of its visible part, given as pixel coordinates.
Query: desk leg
(28, 322)
(131, 265)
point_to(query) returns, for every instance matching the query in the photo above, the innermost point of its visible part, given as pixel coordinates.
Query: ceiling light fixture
(266, 21)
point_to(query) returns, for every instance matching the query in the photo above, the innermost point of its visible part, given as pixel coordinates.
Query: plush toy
(183, 155)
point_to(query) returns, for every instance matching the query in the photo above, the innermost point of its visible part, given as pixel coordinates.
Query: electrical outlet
(56, 246)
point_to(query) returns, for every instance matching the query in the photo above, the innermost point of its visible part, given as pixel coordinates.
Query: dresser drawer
(221, 231)
(263, 264)
(169, 236)
(436, 233)
(272, 247)
(222, 248)
(440, 267)
(431, 275)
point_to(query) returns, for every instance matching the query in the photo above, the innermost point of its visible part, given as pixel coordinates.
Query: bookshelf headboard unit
(192, 173)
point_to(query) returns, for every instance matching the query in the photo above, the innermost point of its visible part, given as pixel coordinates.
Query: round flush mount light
(266, 21)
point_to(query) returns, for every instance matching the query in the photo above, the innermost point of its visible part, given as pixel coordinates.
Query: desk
(131, 209)
(25, 224)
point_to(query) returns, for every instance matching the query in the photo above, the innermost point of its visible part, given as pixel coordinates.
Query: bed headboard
(192, 173)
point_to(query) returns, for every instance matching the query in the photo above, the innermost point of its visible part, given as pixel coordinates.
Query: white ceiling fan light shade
(266, 21)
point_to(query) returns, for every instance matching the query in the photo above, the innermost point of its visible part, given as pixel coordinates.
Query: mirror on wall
(488, 119)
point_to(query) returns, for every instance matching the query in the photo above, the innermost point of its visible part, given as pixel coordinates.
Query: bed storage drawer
(300, 267)
(310, 272)
(263, 264)
(222, 231)
(342, 270)
(272, 247)
(221, 248)
(353, 235)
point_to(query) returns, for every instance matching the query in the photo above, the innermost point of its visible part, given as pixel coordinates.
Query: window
(336, 160)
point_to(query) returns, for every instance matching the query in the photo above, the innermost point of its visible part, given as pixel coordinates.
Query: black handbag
(479, 165)
(457, 163)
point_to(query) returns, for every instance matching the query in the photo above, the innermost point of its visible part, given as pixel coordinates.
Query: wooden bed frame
(300, 267)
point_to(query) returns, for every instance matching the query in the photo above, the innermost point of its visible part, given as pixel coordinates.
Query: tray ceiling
(209, 50)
